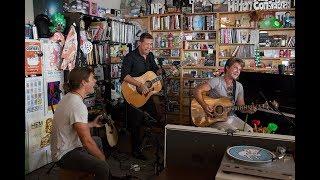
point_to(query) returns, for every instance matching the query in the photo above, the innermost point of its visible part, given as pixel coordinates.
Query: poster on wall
(39, 131)
(53, 94)
(51, 54)
(34, 95)
(53, 76)
(33, 64)
(249, 5)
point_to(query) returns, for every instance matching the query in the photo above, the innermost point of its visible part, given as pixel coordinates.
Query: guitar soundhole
(219, 110)
(149, 84)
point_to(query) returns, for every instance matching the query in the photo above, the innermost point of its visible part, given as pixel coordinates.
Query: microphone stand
(276, 109)
(190, 99)
(165, 95)
(157, 164)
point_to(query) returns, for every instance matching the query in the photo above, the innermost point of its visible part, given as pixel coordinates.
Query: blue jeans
(79, 159)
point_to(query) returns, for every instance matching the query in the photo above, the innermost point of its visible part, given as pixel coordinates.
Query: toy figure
(170, 38)
(286, 20)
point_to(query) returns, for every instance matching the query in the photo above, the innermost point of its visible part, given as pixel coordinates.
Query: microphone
(270, 104)
(276, 109)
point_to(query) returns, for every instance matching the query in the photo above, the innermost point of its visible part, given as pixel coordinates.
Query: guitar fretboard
(245, 107)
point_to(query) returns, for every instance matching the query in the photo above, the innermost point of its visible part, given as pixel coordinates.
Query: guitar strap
(234, 91)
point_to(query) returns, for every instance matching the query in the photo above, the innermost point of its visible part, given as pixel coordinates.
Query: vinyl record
(250, 154)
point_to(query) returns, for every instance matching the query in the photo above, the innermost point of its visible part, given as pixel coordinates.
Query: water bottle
(28, 31)
(34, 32)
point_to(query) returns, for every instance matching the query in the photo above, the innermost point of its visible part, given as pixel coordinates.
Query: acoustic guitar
(221, 108)
(111, 131)
(135, 97)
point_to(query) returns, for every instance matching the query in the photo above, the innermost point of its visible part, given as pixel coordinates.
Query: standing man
(135, 64)
(72, 145)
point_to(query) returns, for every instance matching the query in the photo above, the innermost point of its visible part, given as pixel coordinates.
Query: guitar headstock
(273, 103)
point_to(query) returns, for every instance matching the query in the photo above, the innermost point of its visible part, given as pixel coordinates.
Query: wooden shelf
(279, 58)
(235, 44)
(115, 62)
(274, 10)
(265, 70)
(195, 49)
(262, 48)
(200, 13)
(238, 57)
(138, 17)
(167, 30)
(173, 77)
(166, 48)
(166, 14)
(168, 57)
(192, 31)
(278, 29)
(237, 28)
(201, 40)
(262, 58)
(199, 67)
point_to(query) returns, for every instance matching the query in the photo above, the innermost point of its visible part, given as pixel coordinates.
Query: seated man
(223, 86)
(72, 145)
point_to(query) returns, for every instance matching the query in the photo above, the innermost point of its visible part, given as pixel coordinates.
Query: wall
(112, 4)
(29, 15)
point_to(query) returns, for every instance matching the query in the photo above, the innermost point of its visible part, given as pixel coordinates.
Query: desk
(175, 173)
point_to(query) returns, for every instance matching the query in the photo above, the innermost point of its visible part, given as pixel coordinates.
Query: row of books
(199, 73)
(99, 31)
(242, 36)
(122, 32)
(198, 45)
(279, 53)
(200, 36)
(266, 40)
(241, 51)
(200, 22)
(98, 55)
(166, 22)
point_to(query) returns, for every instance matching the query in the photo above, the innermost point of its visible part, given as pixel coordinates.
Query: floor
(121, 161)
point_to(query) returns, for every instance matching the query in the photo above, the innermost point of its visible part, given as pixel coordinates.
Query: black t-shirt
(135, 65)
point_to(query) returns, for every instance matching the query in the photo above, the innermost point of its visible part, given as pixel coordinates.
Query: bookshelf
(275, 45)
(203, 41)
(111, 39)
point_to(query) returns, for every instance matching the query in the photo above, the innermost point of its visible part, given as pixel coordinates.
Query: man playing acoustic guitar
(221, 87)
(135, 64)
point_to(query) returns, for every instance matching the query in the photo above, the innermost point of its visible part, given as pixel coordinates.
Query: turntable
(250, 162)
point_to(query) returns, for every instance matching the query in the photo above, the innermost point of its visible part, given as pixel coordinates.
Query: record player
(250, 162)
